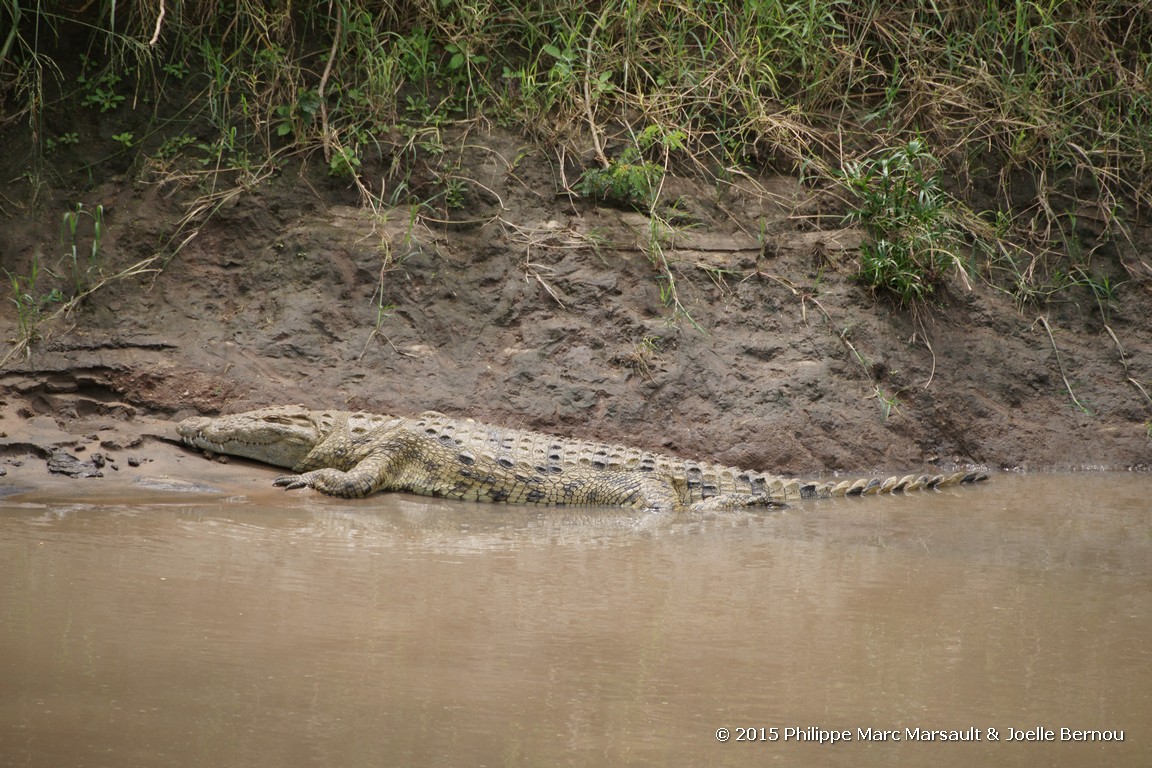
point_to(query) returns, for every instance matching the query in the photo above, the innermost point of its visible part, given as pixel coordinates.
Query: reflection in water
(401, 631)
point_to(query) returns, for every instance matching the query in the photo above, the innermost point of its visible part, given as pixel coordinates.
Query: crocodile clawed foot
(291, 482)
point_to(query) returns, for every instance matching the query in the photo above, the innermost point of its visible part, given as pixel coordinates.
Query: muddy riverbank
(541, 311)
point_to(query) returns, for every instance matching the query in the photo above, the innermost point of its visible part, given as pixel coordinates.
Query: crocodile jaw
(280, 436)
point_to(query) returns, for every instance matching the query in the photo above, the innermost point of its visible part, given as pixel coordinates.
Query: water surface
(289, 629)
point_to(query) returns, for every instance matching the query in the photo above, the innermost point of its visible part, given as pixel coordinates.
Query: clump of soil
(540, 311)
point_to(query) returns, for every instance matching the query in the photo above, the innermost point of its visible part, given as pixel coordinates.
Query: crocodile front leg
(352, 466)
(356, 483)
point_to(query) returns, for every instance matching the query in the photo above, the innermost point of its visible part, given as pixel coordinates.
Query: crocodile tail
(869, 486)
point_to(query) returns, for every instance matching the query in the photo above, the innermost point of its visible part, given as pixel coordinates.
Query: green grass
(81, 234)
(30, 300)
(1055, 97)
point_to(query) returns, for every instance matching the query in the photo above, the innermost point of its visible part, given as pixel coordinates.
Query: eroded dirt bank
(535, 310)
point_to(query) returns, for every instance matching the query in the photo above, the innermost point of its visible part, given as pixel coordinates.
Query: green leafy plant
(454, 193)
(175, 69)
(99, 89)
(294, 118)
(344, 163)
(227, 152)
(70, 139)
(905, 213)
(124, 138)
(174, 145)
(629, 181)
(464, 66)
(667, 139)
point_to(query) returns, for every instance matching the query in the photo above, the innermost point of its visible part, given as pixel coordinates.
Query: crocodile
(354, 454)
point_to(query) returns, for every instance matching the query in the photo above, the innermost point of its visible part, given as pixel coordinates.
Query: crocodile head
(281, 436)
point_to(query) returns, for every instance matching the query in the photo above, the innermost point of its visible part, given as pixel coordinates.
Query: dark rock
(63, 463)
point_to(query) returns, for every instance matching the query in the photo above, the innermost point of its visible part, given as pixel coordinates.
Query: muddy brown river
(1008, 624)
